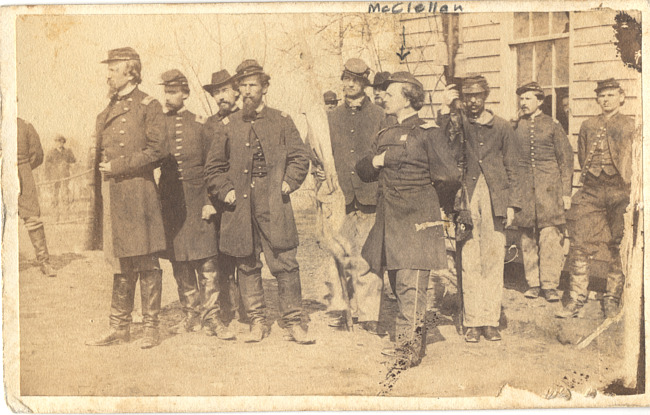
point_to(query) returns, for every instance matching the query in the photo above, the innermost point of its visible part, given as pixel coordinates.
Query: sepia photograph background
(61, 87)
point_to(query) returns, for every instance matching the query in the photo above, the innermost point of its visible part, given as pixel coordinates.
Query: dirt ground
(58, 314)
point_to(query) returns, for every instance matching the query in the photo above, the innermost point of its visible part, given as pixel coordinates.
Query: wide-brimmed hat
(122, 54)
(219, 79)
(330, 97)
(380, 80)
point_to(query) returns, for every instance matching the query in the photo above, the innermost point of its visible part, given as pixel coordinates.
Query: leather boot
(188, 294)
(121, 308)
(151, 291)
(290, 296)
(252, 295)
(610, 306)
(37, 237)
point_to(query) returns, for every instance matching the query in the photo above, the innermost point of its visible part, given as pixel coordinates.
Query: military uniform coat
(491, 152)
(408, 229)
(228, 167)
(29, 155)
(619, 131)
(183, 191)
(352, 133)
(131, 134)
(544, 171)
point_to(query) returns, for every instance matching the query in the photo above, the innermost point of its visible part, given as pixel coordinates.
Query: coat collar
(357, 104)
(486, 118)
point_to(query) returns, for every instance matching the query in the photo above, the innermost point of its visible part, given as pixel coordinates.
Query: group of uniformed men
(223, 198)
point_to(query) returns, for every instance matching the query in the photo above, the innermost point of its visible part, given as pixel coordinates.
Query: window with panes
(541, 42)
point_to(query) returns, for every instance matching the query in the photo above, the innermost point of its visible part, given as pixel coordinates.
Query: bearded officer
(188, 214)
(223, 89)
(255, 162)
(544, 175)
(605, 156)
(131, 135)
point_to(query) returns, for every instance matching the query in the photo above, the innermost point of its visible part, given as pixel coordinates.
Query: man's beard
(112, 91)
(172, 108)
(249, 106)
(225, 107)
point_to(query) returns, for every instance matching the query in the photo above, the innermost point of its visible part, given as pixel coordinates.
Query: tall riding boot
(188, 295)
(252, 294)
(210, 303)
(151, 291)
(121, 308)
(37, 236)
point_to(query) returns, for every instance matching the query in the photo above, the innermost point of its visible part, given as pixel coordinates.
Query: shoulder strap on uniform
(147, 100)
(200, 119)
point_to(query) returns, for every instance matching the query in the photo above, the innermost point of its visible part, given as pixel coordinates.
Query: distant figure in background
(379, 85)
(605, 156)
(57, 164)
(563, 113)
(29, 156)
(544, 175)
(331, 100)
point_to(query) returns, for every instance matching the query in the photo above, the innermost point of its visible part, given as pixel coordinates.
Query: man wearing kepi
(490, 155)
(130, 134)
(605, 156)
(544, 175)
(256, 161)
(407, 237)
(188, 214)
(223, 89)
(353, 127)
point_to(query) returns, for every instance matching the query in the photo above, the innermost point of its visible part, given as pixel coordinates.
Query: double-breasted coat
(544, 171)
(408, 229)
(229, 167)
(131, 134)
(183, 191)
(29, 155)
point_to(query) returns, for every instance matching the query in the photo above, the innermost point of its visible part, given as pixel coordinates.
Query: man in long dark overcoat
(544, 176)
(29, 155)
(223, 89)
(255, 162)
(130, 134)
(407, 236)
(188, 215)
(598, 208)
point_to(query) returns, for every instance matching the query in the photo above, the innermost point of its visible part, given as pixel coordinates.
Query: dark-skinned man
(131, 135)
(188, 214)
(256, 161)
(491, 161)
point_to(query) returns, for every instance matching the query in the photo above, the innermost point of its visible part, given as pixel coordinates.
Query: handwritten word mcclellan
(402, 7)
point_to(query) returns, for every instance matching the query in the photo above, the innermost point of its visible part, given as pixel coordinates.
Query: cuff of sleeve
(293, 184)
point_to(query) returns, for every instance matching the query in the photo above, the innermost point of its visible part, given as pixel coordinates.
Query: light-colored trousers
(482, 262)
(343, 237)
(543, 256)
